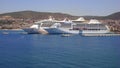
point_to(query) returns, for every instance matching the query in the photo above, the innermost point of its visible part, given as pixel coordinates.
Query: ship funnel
(80, 19)
(51, 18)
(67, 20)
(94, 21)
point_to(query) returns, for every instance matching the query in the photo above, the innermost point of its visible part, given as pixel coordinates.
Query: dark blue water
(18, 50)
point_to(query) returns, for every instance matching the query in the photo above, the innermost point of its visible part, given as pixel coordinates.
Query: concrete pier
(100, 34)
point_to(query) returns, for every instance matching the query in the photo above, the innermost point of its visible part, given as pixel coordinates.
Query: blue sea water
(19, 50)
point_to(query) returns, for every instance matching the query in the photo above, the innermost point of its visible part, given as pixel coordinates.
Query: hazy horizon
(72, 7)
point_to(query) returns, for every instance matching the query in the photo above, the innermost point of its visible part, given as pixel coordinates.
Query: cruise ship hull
(32, 31)
(35, 31)
(95, 31)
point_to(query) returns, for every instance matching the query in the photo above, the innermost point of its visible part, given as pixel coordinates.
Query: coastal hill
(44, 15)
(114, 16)
(36, 15)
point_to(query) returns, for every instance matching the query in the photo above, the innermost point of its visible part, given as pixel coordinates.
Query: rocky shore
(7, 24)
(114, 25)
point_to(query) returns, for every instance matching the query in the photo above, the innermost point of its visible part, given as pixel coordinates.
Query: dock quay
(100, 34)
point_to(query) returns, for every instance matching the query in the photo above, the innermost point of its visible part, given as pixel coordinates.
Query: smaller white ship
(36, 27)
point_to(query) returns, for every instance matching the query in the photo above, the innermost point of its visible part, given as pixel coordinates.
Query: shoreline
(11, 29)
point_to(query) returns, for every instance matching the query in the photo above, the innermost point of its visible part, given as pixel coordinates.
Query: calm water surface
(18, 50)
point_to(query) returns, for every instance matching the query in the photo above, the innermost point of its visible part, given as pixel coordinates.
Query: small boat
(5, 33)
(66, 35)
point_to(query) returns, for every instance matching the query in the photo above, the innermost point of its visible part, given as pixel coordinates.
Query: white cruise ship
(70, 27)
(36, 27)
(94, 26)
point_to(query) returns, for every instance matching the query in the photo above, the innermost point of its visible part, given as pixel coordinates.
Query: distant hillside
(114, 16)
(45, 15)
(36, 15)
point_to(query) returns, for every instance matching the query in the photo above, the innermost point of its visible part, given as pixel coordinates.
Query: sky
(73, 7)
